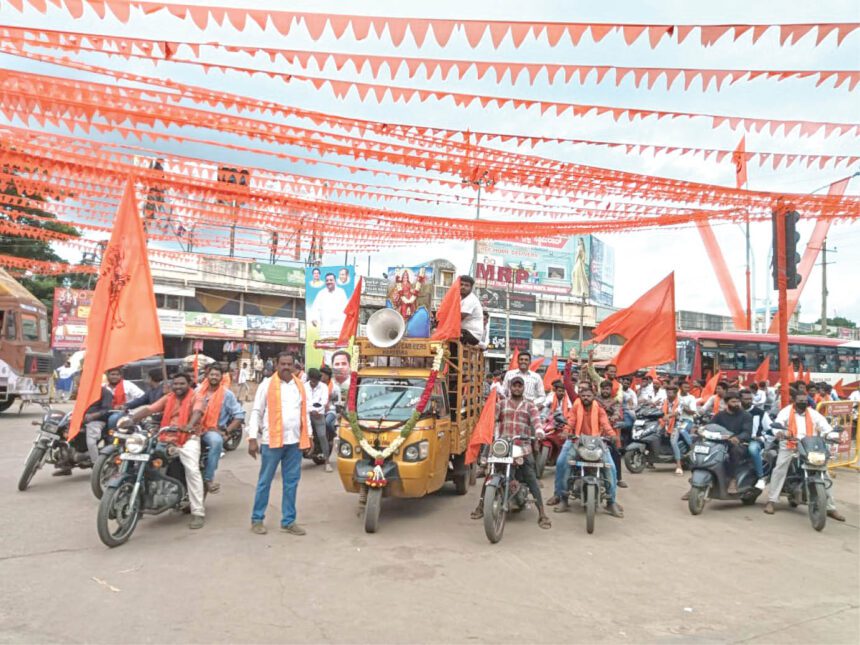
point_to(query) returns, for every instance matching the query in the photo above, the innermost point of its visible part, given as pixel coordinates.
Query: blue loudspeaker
(419, 324)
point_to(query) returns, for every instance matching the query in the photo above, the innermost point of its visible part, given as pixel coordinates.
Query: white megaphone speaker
(385, 328)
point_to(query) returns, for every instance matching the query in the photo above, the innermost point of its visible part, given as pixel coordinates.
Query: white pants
(780, 470)
(94, 431)
(189, 455)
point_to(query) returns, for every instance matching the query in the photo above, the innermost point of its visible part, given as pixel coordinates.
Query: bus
(700, 353)
(26, 362)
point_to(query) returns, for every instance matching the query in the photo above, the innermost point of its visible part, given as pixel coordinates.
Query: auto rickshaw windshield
(391, 399)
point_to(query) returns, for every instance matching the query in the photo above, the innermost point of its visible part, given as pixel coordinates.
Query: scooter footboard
(701, 479)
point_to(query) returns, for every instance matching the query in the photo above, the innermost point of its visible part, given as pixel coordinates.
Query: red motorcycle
(547, 449)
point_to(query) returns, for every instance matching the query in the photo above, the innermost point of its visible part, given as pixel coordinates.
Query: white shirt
(474, 312)
(819, 423)
(291, 407)
(760, 399)
(646, 393)
(131, 390)
(533, 383)
(485, 339)
(500, 390)
(855, 396)
(687, 406)
(327, 312)
(629, 399)
(761, 423)
(660, 396)
(317, 395)
(65, 372)
(243, 375)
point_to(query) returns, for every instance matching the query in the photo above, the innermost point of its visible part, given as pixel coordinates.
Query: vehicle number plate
(50, 436)
(640, 422)
(500, 460)
(701, 450)
(127, 456)
(589, 464)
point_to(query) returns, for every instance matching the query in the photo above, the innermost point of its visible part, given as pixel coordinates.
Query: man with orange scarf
(799, 420)
(586, 418)
(176, 412)
(217, 412)
(279, 430)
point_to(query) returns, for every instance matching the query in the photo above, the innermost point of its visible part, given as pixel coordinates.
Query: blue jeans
(113, 418)
(755, 449)
(330, 423)
(562, 473)
(681, 431)
(290, 459)
(629, 418)
(215, 442)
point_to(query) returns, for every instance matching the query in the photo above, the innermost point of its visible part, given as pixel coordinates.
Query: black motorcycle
(638, 454)
(107, 465)
(503, 492)
(51, 446)
(151, 480)
(711, 472)
(587, 476)
(806, 482)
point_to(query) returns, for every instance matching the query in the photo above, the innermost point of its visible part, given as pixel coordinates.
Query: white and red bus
(704, 352)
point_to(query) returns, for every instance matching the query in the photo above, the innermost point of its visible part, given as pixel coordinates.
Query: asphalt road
(732, 574)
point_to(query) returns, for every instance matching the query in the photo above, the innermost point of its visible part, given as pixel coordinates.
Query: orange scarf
(119, 395)
(213, 405)
(579, 418)
(615, 386)
(565, 405)
(276, 423)
(792, 427)
(227, 379)
(717, 401)
(184, 409)
(671, 423)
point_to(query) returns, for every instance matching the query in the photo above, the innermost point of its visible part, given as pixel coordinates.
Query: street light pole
(480, 183)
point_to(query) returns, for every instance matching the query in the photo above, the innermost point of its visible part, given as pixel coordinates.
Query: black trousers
(467, 338)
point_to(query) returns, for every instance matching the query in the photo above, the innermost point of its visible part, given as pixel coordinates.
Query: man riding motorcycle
(761, 425)
(176, 409)
(587, 418)
(216, 413)
(611, 403)
(98, 416)
(739, 423)
(516, 416)
(799, 420)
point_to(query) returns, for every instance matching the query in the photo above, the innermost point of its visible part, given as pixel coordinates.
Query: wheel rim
(122, 516)
(109, 469)
(498, 511)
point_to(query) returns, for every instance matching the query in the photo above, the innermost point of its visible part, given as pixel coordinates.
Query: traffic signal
(792, 257)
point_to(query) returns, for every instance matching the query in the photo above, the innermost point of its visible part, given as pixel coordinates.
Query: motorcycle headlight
(135, 443)
(500, 448)
(589, 454)
(817, 458)
(345, 449)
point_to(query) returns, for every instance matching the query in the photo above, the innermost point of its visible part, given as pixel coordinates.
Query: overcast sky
(642, 258)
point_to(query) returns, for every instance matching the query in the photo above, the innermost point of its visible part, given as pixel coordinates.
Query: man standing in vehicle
(515, 416)
(216, 413)
(587, 418)
(278, 431)
(471, 313)
(739, 424)
(798, 420)
(176, 409)
(534, 391)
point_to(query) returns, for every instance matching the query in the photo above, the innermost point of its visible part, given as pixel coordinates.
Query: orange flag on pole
(123, 321)
(839, 389)
(483, 431)
(739, 158)
(515, 360)
(762, 371)
(448, 315)
(534, 366)
(350, 323)
(552, 374)
(710, 387)
(648, 327)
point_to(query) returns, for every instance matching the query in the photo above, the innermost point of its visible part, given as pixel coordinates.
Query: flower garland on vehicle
(377, 478)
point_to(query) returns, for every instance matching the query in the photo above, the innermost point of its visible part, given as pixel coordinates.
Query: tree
(29, 218)
(841, 321)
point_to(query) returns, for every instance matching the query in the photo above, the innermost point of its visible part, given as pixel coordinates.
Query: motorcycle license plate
(500, 460)
(127, 456)
(701, 450)
(640, 422)
(589, 464)
(48, 436)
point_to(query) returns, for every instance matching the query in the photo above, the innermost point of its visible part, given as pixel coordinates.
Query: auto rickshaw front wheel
(372, 509)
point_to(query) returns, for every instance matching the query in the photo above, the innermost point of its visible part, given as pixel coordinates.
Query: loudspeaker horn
(385, 328)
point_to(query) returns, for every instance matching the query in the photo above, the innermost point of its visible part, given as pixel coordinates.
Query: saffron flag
(552, 374)
(762, 371)
(710, 387)
(483, 430)
(123, 322)
(840, 391)
(534, 366)
(448, 316)
(648, 327)
(350, 323)
(739, 158)
(653, 374)
(515, 360)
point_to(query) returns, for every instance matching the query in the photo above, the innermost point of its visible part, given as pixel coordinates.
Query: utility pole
(823, 265)
(483, 181)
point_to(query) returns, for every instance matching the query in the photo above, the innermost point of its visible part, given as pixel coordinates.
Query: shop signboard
(497, 300)
(172, 322)
(290, 276)
(272, 328)
(207, 325)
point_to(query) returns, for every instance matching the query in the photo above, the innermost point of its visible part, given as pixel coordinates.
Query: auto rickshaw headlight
(416, 451)
(345, 449)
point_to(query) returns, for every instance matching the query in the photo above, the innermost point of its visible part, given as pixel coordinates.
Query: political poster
(327, 292)
(69, 321)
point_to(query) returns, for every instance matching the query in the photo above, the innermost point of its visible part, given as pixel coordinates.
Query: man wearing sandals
(517, 416)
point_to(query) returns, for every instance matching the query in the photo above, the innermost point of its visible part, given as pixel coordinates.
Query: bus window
(29, 327)
(11, 332)
(709, 362)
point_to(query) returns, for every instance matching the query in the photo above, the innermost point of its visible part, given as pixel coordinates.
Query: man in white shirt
(759, 393)
(534, 390)
(318, 397)
(646, 390)
(686, 412)
(794, 418)
(471, 313)
(327, 309)
(243, 378)
(279, 448)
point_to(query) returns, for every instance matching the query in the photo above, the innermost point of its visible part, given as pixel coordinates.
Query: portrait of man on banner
(327, 292)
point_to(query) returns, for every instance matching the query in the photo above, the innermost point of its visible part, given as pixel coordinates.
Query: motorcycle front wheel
(635, 461)
(817, 505)
(103, 470)
(494, 512)
(117, 519)
(590, 493)
(33, 463)
(696, 503)
(372, 509)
